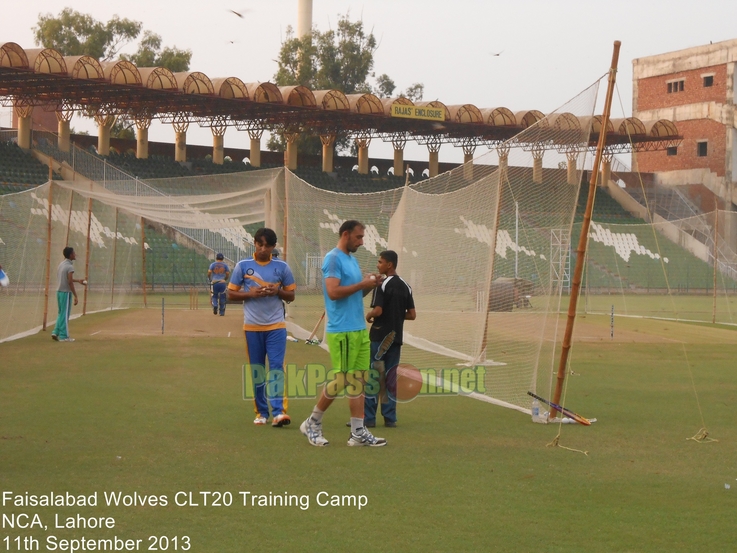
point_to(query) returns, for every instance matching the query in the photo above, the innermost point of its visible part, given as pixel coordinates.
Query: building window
(709, 80)
(675, 86)
(701, 149)
(672, 151)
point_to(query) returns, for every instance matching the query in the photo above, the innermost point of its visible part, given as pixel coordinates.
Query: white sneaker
(364, 437)
(67, 340)
(260, 420)
(313, 431)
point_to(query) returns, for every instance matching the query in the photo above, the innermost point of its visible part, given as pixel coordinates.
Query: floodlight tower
(304, 18)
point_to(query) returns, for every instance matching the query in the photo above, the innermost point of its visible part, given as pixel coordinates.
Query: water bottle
(536, 416)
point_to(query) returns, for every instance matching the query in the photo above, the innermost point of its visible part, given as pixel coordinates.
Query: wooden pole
(716, 262)
(87, 255)
(69, 217)
(143, 259)
(48, 258)
(115, 254)
(583, 239)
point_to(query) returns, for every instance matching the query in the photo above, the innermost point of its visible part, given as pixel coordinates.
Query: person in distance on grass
(261, 283)
(64, 294)
(218, 274)
(391, 304)
(348, 341)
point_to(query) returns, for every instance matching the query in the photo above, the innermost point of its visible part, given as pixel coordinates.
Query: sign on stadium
(415, 112)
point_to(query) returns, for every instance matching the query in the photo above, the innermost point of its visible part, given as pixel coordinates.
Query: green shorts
(349, 351)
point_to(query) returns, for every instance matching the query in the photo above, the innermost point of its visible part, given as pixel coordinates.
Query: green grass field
(157, 415)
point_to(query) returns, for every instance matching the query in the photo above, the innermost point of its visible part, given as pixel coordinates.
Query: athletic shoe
(313, 431)
(214, 310)
(67, 340)
(364, 437)
(54, 337)
(281, 420)
(390, 424)
(260, 420)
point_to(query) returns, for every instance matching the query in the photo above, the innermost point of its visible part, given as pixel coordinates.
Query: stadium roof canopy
(43, 77)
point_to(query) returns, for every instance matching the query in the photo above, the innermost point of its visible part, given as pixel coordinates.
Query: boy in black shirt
(391, 305)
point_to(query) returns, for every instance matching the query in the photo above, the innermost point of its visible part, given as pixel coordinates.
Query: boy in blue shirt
(262, 283)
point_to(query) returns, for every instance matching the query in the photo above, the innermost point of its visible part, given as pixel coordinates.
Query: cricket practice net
(129, 237)
(484, 248)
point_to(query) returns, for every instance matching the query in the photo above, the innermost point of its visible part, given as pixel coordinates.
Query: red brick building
(696, 88)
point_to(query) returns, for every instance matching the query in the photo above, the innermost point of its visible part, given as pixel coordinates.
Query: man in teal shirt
(348, 341)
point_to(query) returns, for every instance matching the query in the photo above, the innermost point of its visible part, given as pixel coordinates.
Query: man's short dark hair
(68, 251)
(390, 256)
(348, 226)
(220, 256)
(267, 234)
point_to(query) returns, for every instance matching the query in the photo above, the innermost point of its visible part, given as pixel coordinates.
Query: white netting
(664, 269)
(173, 250)
(484, 247)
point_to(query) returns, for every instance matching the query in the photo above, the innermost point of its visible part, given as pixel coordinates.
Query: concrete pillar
(218, 150)
(503, 164)
(180, 146)
(362, 145)
(105, 124)
(606, 171)
(255, 153)
(142, 125)
(64, 130)
(468, 166)
(572, 173)
(434, 170)
(328, 150)
(180, 124)
(142, 143)
(537, 166)
(24, 125)
(398, 162)
(290, 156)
(363, 160)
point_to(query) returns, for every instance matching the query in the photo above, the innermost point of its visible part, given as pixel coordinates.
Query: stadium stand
(19, 170)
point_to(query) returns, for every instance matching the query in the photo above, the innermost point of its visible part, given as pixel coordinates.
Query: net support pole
(48, 258)
(143, 260)
(286, 216)
(69, 218)
(716, 262)
(489, 281)
(583, 239)
(115, 255)
(87, 255)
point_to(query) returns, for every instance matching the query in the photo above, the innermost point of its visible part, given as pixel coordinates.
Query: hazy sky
(550, 49)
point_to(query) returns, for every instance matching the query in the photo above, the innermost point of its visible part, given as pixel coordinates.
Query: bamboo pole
(87, 253)
(581, 250)
(69, 217)
(48, 258)
(143, 259)
(716, 262)
(115, 253)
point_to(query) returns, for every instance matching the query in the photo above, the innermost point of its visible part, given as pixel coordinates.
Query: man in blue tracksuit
(262, 283)
(218, 273)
